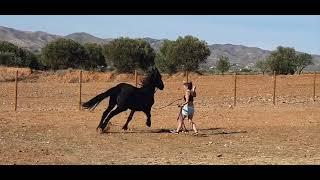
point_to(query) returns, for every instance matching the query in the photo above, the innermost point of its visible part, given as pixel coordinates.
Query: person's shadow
(202, 132)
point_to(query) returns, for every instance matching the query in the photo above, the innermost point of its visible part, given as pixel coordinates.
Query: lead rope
(167, 104)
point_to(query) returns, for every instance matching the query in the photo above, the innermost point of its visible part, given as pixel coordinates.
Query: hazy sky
(266, 32)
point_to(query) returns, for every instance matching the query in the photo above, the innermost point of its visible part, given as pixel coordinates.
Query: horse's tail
(93, 103)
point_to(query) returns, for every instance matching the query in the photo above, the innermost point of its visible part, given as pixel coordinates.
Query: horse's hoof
(100, 130)
(125, 128)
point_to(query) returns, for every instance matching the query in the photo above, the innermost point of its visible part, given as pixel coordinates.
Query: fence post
(314, 87)
(187, 73)
(16, 92)
(274, 87)
(80, 89)
(235, 89)
(136, 77)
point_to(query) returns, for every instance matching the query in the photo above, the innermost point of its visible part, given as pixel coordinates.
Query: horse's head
(157, 78)
(153, 78)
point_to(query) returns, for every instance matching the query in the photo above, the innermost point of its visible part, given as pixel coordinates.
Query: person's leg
(180, 123)
(184, 129)
(183, 126)
(193, 125)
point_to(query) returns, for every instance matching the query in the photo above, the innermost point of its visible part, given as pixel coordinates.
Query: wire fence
(219, 90)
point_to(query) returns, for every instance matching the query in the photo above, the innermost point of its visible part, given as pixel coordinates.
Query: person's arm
(187, 98)
(194, 94)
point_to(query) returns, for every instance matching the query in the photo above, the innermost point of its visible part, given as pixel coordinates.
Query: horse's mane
(147, 79)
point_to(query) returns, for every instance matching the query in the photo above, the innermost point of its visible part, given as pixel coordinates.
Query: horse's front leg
(148, 114)
(125, 126)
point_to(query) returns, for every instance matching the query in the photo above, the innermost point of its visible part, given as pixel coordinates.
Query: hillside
(238, 54)
(86, 38)
(33, 41)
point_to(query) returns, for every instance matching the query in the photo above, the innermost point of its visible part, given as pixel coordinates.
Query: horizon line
(209, 44)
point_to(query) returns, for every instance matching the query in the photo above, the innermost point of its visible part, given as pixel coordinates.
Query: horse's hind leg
(112, 104)
(112, 113)
(148, 114)
(125, 126)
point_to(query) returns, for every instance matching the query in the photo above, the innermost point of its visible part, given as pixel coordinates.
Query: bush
(63, 54)
(262, 65)
(127, 54)
(223, 64)
(302, 60)
(282, 61)
(287, 61)
(184, 54)
(95, 56)
(165, 60)
(12, 55)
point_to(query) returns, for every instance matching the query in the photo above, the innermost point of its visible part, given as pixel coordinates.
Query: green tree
(223, 64)
(64, 53)
(302, 61)
(30, 60)
(282, 60)
(95, 56)
(185, 53)
(12, 55)
(127, 54)
(6, 46)
(262, 65)
(190, 52)
(166, 58)
(8, 59)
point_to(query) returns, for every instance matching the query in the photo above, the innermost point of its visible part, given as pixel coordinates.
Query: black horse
(126, 96)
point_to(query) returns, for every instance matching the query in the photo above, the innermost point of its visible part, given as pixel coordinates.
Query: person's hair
(188, 84)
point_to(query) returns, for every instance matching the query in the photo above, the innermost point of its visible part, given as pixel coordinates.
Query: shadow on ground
(202, 132)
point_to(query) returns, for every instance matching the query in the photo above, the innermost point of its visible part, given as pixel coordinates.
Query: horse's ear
(149, 70)
(156, 69)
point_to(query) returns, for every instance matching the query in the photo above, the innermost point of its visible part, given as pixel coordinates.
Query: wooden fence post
(274, 87)
(136, 77)
(187, 73)
(80, 89)
(314, 87)
(16, 92)
(235, 89)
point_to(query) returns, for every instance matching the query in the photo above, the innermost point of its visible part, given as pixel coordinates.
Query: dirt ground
(48, 128)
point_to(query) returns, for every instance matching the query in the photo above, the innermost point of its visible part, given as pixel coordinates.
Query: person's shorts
(187, 111)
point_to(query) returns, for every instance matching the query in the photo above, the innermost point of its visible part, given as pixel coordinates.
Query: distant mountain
(155, 43)
(238, 54)
(33, 41)
(86, 38)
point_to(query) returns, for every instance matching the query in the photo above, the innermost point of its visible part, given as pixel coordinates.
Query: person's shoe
(174, 132)
(186, 131)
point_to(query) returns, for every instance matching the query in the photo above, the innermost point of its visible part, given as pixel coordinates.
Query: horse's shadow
(202, 132)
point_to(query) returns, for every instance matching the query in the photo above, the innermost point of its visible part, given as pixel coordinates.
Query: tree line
(285, 60)
(126, 55)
